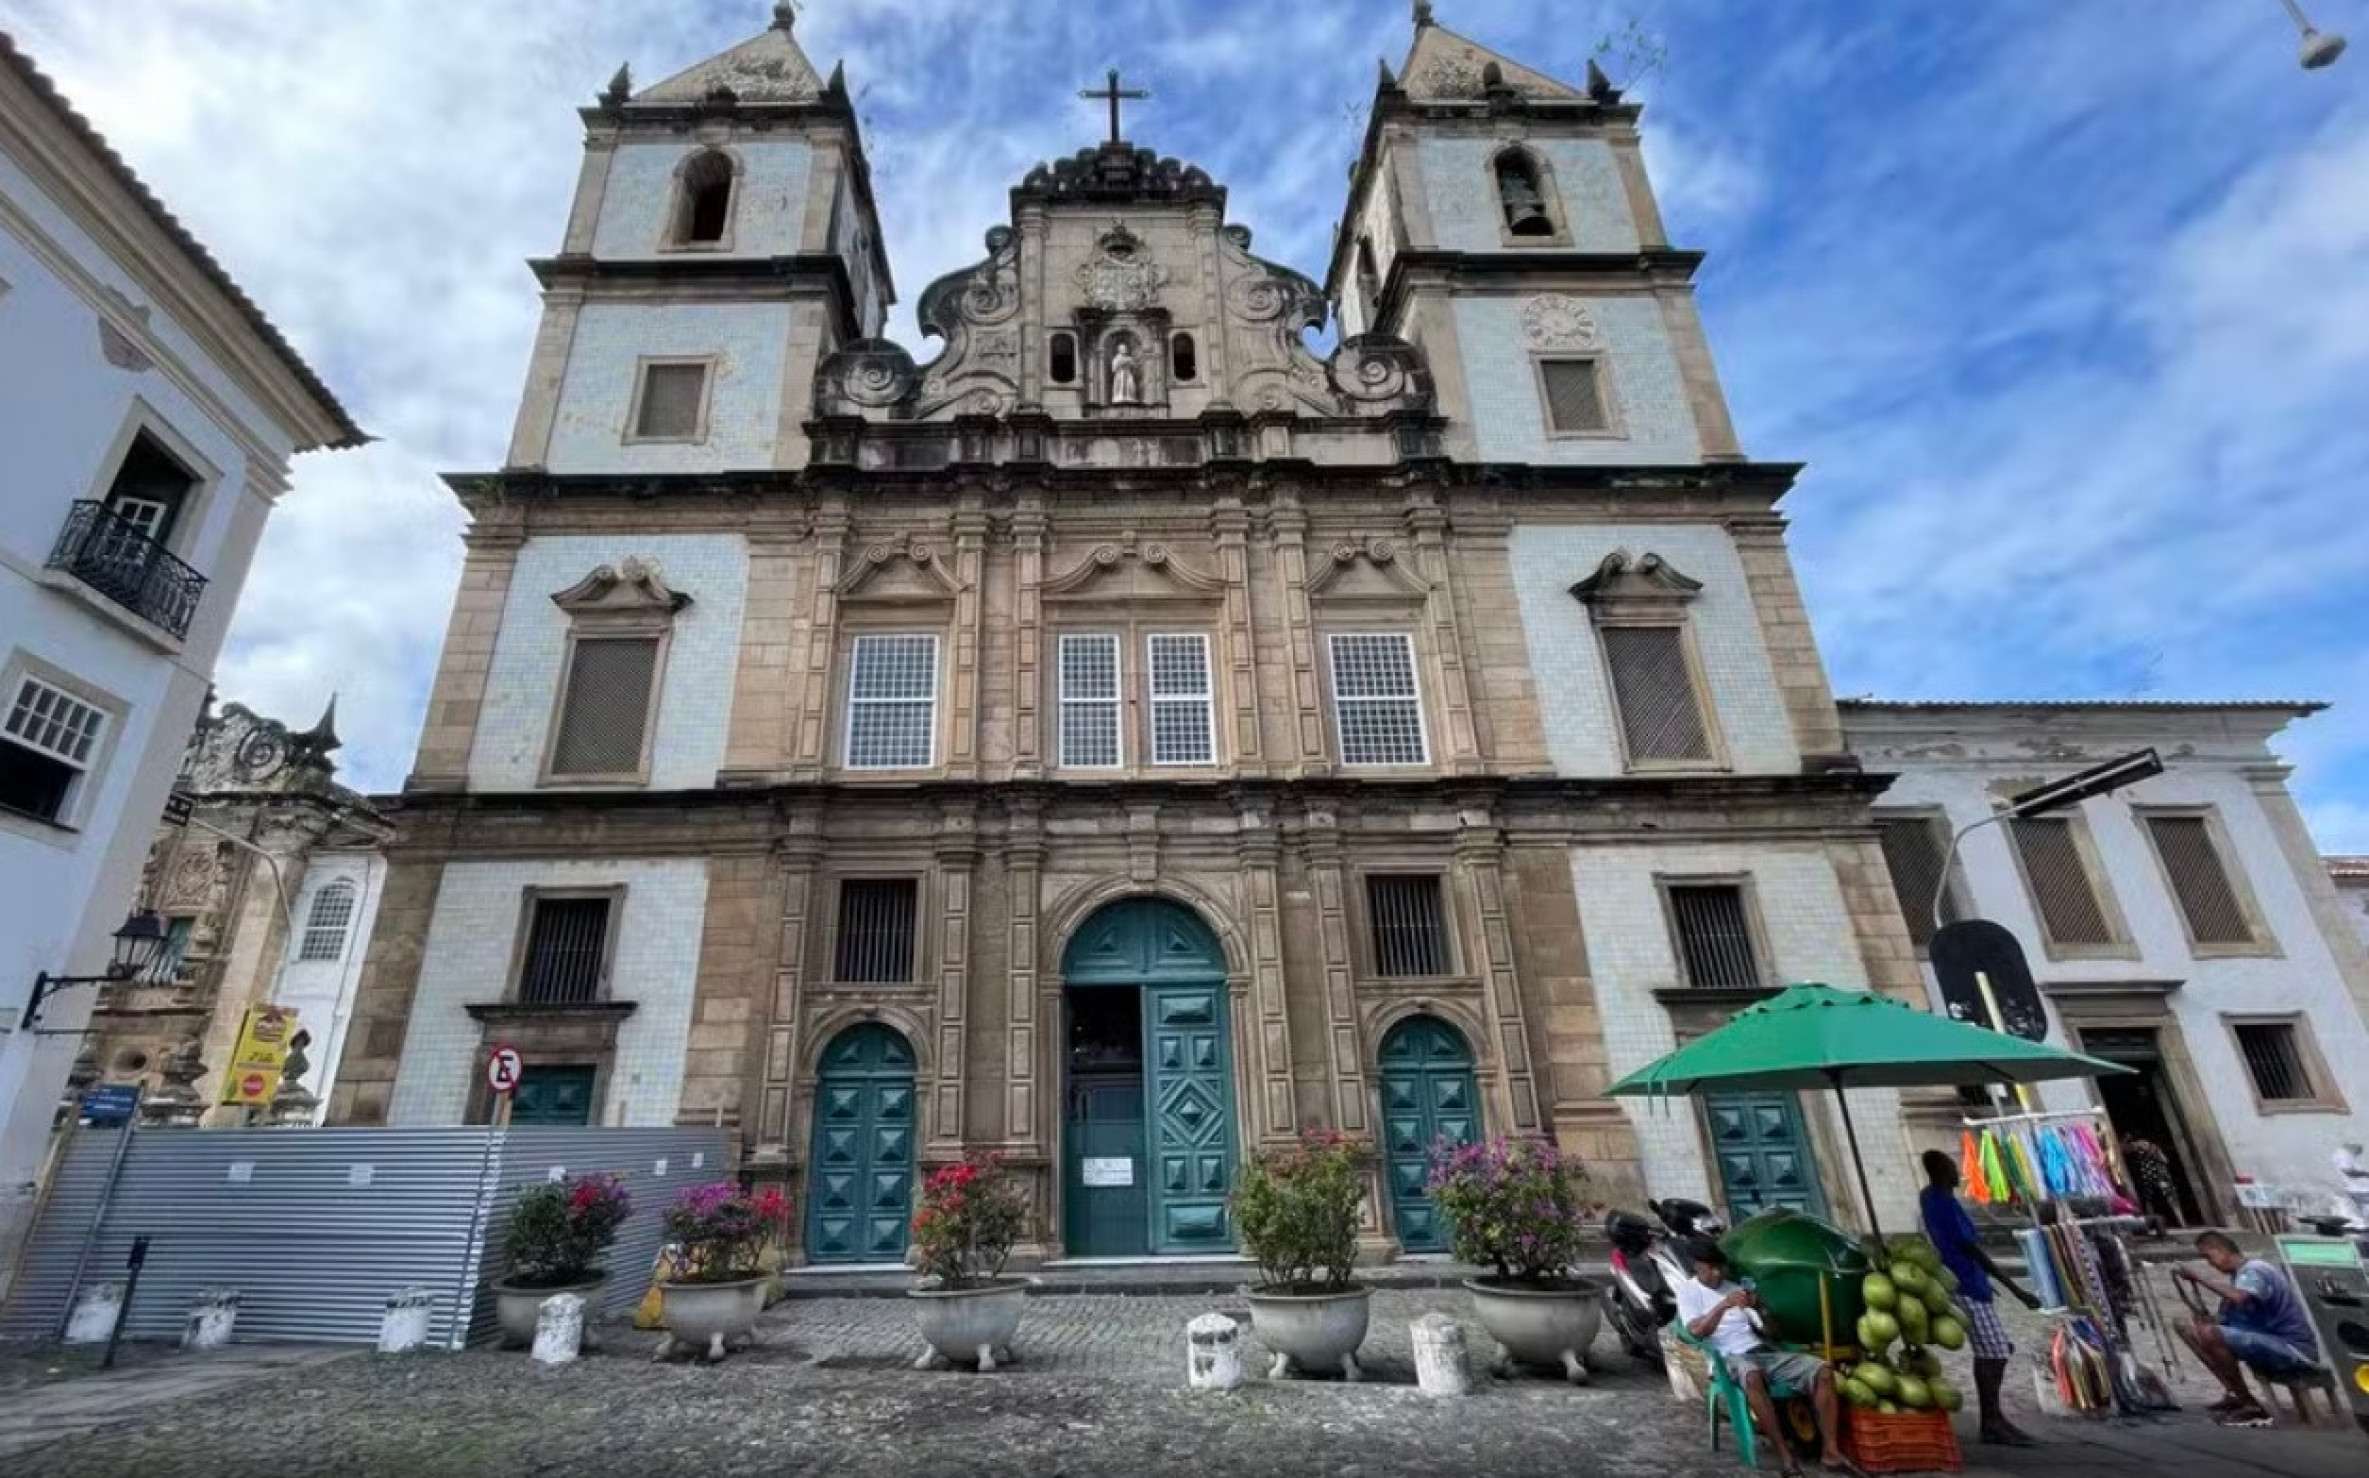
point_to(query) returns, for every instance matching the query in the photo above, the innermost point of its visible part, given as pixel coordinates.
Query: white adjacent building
(148, 412)
(2184, 926)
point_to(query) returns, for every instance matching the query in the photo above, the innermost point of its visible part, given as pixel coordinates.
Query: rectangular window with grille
(605, 717)
(673, 403)
(1183, 731)
(2062, 889)
(2274, 1060)
(877, 918)
(1714, 936)
(1574, 396)
(48, 742)
(1652, 687)
(1409, 924)
(2200, 880)
(325, 926)
(1913, 850)
(566, 956)
(1375, 704)
(1090, 700)
(892, 703)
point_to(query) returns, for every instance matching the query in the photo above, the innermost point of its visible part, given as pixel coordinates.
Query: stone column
(1024, 862)
(957, 854)
(1028, 683)
(970, 568)
(450, 729)
(1289, 521)
(1480, 872)
(1229, 522)
(821, 637)
(1257, 853)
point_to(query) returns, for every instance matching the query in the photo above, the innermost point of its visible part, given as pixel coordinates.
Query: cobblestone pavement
(1098, 1390)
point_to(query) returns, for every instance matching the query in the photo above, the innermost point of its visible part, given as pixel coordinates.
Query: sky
(2066, 307)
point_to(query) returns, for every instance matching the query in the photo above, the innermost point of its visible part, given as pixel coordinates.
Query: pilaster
(759, 742)
(1260, 895)
(821, 641)
(970, 569)
(1344, 1052)
(1028, 635)
(1480, 870)
(957, 853)
(547, 366)
(458, 695)
(1426, 526)
(1289, 523)
(1785, 632)
(1024, 863)
(797, 854)
(1229, 525)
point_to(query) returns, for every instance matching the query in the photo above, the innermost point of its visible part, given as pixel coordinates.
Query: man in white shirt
(1730, 1319)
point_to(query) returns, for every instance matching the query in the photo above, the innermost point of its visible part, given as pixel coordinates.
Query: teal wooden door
(1106, 1211)
(1192, 1126)
(859, 1199)
(553, 1095)
(1428, 1095)
(1763, 1153)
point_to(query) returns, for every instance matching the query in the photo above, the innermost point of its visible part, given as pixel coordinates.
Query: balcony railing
(114, 557)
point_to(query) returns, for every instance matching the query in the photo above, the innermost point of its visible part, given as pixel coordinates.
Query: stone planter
(1311, 1331)
(710, 1318)
(517, 1307)
(1552, 1327)
(966, 1325)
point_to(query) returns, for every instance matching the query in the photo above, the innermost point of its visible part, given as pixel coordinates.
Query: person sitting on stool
(1732, 1321)
(2262, 1324)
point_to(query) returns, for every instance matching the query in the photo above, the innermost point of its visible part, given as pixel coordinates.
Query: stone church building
(1128, 736)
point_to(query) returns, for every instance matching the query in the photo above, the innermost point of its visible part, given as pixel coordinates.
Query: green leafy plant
(1296, 1210)
(970, 1215)
(724, 1230)
(1517, 1205)
(559, 1229)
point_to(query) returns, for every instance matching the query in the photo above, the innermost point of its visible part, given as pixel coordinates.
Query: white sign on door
(1109, 1170)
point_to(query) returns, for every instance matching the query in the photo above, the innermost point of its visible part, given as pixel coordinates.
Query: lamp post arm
(279, 882)
(1949, 860)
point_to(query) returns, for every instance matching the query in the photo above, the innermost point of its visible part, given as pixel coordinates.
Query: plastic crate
(1911, 1442)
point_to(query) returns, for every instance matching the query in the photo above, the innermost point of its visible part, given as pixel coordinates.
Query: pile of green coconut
(1909, 1303)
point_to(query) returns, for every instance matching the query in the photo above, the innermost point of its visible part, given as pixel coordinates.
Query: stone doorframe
(2135, 1005)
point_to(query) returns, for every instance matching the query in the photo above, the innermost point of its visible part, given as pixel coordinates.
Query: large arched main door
(1428, 1095)
(859, 1197)
(1148, 1097)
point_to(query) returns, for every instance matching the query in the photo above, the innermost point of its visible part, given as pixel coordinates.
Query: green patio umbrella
(1814, 1036)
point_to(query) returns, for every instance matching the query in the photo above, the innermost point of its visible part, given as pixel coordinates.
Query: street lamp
(2319, 47)
(2073, 789)
(136, 947)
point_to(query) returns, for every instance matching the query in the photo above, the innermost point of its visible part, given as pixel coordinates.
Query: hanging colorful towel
(1994, 1174)
(1970, 1173)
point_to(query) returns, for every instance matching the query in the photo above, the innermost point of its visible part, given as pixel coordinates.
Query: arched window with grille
(325, 926)
(703, 211)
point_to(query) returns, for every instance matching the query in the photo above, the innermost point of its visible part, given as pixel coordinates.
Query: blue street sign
(110, 1103)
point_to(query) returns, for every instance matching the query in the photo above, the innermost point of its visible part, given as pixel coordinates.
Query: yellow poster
(254, 1072)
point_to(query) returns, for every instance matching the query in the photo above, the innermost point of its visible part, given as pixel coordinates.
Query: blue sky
(2065, 306)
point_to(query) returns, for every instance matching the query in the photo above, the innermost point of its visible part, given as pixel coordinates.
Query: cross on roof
(1111, 93)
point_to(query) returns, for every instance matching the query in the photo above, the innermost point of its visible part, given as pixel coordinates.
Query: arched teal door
(1428, 1095)
(859, 1197)
(1148, 1123)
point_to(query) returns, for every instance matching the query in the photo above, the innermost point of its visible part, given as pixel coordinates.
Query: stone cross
(1111, 93)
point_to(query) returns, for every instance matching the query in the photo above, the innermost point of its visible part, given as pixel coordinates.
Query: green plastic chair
(1726, 1398)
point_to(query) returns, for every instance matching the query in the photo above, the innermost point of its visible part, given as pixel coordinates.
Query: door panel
(553, 1095)
(1192, 1118)
(1106, 1126)
(860, 1183)
(1763, 1153)
(1428, 1095)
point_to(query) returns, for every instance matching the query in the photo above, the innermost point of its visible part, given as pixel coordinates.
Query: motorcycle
(1647, 1265)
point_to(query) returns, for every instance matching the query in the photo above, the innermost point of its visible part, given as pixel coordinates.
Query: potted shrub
(557, 1232)
(970, 1215)
(712, 1302)
(1518, 1207)
(1296, 1210)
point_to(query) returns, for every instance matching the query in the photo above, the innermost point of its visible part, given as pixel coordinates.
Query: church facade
(1128, 737)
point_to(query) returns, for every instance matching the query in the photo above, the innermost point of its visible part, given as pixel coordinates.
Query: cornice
(595, 275)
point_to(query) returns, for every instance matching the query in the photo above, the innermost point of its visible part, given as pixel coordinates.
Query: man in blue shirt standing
(2262, 1324)
(1952, 1234)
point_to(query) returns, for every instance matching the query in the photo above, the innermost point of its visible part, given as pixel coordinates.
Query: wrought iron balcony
(114, 557)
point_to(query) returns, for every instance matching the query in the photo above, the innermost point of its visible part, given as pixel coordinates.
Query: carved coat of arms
(1121, 281)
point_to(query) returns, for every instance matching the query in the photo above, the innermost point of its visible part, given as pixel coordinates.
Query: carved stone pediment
(632, 586)
(1133, 573)
(898, 570)
(1272, 306)
(1366, 570)
(1635, 583)
(977, 312)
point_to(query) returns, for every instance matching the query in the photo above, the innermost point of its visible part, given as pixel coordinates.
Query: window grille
(1574, 395)
(1659, 718)
(1182, 723)
(1375, 705)
(892, 703)
(51, 738)
(607, 711)
(2275, 1060)
(876, 929)
(2061, 886)
(1090, 700)
(1913, 848)
(566, 950)
(671, 398)
(1410, 930)
(1714, 936)
(325, 926)
(2200, 881)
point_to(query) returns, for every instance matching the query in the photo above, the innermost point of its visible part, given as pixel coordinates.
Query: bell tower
(1501, 220)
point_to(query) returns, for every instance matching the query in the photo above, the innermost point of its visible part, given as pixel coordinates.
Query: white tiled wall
(1509, 415)
(1463, 190)
(749, 342)
(695, 706)
(467, 959)
(1810, 936)
(1575, 692)
(768, 208)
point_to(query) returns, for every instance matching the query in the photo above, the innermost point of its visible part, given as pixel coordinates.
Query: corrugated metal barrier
(317, 1227)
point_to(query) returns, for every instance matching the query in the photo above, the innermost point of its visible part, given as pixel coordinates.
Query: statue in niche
(1126, 378)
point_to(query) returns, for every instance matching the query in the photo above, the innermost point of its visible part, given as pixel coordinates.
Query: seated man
(2262, 1324)
(1731, 1320)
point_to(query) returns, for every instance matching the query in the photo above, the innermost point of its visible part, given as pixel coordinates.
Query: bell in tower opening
(1518, 193)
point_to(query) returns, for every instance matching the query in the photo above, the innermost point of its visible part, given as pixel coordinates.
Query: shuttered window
(2274, 1059)
(1375, 706)
(1659, 718)
(606, 712)
(1182, 729)
(876, 928)
(1574, 396)
(565, 948)
(2061, 886)
(672, 397)
(325, 925)
(1714, 936)
(1410, 930)
(892, 703)
(1090, 700)
(2200, 880)
(1913, 850)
